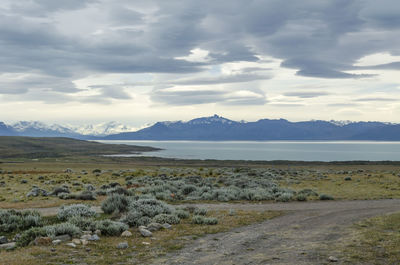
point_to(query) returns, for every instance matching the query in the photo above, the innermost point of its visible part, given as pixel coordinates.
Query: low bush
(11, 220)
(166, 218)
(182, 214)
(325, 197)
(200, 211)
(116, 203)
(111, 228)
(62, 229)
(201, 220)
(29, 235)
(66, 212)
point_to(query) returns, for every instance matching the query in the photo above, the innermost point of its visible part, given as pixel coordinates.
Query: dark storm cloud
(321, 39)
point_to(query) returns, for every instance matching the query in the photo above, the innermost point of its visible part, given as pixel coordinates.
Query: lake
(271, 150)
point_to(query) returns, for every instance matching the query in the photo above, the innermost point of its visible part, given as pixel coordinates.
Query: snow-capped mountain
(102, 129)
(40, 129)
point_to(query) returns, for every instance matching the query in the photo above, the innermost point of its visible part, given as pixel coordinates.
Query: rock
(97, 232)
(145, 232)
(167, 226)
(126, 234)
(76, 241)
(123, 245)
(68, 170)
(16, 237)
(42, 241)
(84, 242)
(154, 227)
(145, 243)
(63, 238)
(56, 242)
(3, 240)
(333, 259)
(71, 245)
(8, 246)
(53, 250)
(24, 181)
(86, 237)
(94, 238)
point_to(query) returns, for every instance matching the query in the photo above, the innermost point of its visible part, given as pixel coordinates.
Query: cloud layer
(184, 53)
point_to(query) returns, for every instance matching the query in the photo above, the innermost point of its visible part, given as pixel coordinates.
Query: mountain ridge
(215, 128)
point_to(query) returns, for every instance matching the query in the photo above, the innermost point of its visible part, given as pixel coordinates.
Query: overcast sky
(89, 61)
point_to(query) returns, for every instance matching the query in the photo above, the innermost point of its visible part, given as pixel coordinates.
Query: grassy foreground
(141, 250)
(374, 241)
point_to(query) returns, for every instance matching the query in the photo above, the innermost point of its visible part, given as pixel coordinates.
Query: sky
(138, 62)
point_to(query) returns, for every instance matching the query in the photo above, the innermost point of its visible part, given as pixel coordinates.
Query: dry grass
(105, 252)
(378, 184)
(373, 241)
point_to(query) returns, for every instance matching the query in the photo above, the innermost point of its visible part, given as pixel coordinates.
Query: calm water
(272, 150)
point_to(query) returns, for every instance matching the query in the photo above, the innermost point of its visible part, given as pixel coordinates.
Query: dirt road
(302, 236)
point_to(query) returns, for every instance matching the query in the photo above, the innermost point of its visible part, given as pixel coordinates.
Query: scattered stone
(3, 240)
(88, 249)
(94, 237)
(84, 242)
(145, 243)
(123, 245)
(145, 232)
(86, 237)
(53, 250)
(68, 170)
(8, 246)
(126, 234)
(63, 238)
(76, 241)
(71, 245)
(42, 241)
(333, 259)
(167, 226)
(154, 227)
(56, 242)
(24, 181)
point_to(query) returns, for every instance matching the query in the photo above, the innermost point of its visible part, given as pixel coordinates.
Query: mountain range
(216, 128)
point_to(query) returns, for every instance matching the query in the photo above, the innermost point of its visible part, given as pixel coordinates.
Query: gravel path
(301, 236)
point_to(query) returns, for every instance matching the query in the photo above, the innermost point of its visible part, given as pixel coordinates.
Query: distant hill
(216, 128)
(32, 147)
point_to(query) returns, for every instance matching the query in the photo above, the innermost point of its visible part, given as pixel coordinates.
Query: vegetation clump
(11, 220)
(66, 212)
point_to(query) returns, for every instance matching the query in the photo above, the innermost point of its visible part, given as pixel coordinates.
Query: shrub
(347, 178)
(166, 218)
(11, 220)
(62, 229)
(325, 197)
(84, 223)
(284, 197)
(210, 221)
(115, 203)
(66, 212)
(62, 189)
(132, 218)
(200, 211)
(111, 228)
(308, 192)
(150, 207)
(29, 235)
(198, 219)
(182, 214)
(201, 220)
(301, 197)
